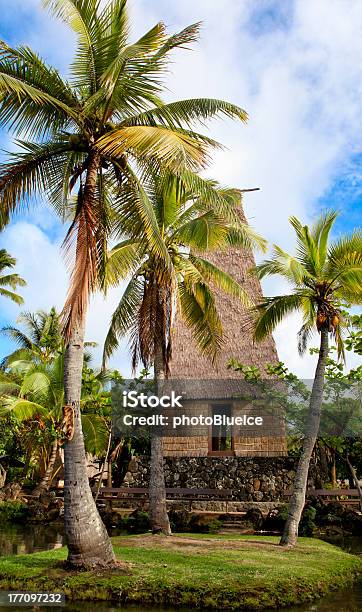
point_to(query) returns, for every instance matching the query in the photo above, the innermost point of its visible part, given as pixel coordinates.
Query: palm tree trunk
(25, 470)
(157, 491)
(86, 535)
(45, 482)
(2, 476)
(297, 501)
(100, 481)
(109, 473)
(333, 469)
(87, 538)
(355, 480)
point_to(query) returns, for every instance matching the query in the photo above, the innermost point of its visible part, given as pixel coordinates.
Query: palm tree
(9, 280)
(39, 339)
(160, 285)
(95, 133)
(33, 391)
(323, 276)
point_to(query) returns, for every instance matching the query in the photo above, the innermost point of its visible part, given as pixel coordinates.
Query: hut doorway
(221, 440)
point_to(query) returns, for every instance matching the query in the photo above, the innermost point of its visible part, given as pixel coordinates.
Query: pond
(19, 539)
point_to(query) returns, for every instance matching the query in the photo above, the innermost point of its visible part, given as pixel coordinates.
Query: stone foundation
(251, 479)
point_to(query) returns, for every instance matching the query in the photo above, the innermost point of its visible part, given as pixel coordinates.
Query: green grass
(201, 571)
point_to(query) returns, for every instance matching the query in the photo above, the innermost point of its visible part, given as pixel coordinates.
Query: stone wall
(251, 479)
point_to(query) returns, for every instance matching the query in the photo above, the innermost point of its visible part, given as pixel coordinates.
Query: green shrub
(307, 525)
(12, 511)
(137, 522)
(179, 520)
(204, 524)
(276, 518)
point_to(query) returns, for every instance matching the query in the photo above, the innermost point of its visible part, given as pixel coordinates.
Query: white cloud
(39, 263)
(49, 37)
(298, 73)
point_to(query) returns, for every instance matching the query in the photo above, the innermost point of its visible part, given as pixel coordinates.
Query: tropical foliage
(9, 281)
(38, 338)
(32, 390)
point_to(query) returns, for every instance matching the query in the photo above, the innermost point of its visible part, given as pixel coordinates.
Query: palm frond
(284, 265)
(187, 36)
(11, 295)
(95, 433)
(23, 409)
(124, 317)
(223, 202)
(138, 217)
(173, 149)
(320, 232)
(207, 231)
(148, 43)
(29, 116)
(304, 334)
(272, 311)
(8, 387)
(121, 260)
(199, 312)
(222, 280)
(37, 169)
(35, 386)
(186, 112)
(81, 16)
(345, 256)
(12, 280)
(12, 85)
(307, 247)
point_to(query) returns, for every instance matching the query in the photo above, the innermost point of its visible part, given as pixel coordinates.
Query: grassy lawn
(221, 572)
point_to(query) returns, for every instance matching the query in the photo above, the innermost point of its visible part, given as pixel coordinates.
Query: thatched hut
(214, 388)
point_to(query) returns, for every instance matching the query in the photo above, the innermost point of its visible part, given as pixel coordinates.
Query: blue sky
(295, 66)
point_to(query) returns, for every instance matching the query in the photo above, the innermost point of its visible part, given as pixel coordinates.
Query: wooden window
(221, 441)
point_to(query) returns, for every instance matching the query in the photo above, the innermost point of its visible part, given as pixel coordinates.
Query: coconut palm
(94, 133)
(9, 279)
(33, 391)
(159, 286)
(39, 337)
(323, 276)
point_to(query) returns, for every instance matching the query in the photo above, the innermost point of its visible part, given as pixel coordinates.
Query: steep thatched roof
(187, 363)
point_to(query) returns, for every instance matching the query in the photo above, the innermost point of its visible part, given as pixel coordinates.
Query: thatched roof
(187, 363)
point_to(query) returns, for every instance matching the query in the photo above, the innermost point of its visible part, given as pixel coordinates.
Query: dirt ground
(183, 543)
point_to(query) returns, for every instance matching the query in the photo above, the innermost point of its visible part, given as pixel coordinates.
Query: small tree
(323, 276)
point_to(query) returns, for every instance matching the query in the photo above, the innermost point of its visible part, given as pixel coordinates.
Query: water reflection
(342, 601)
(21, 539)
